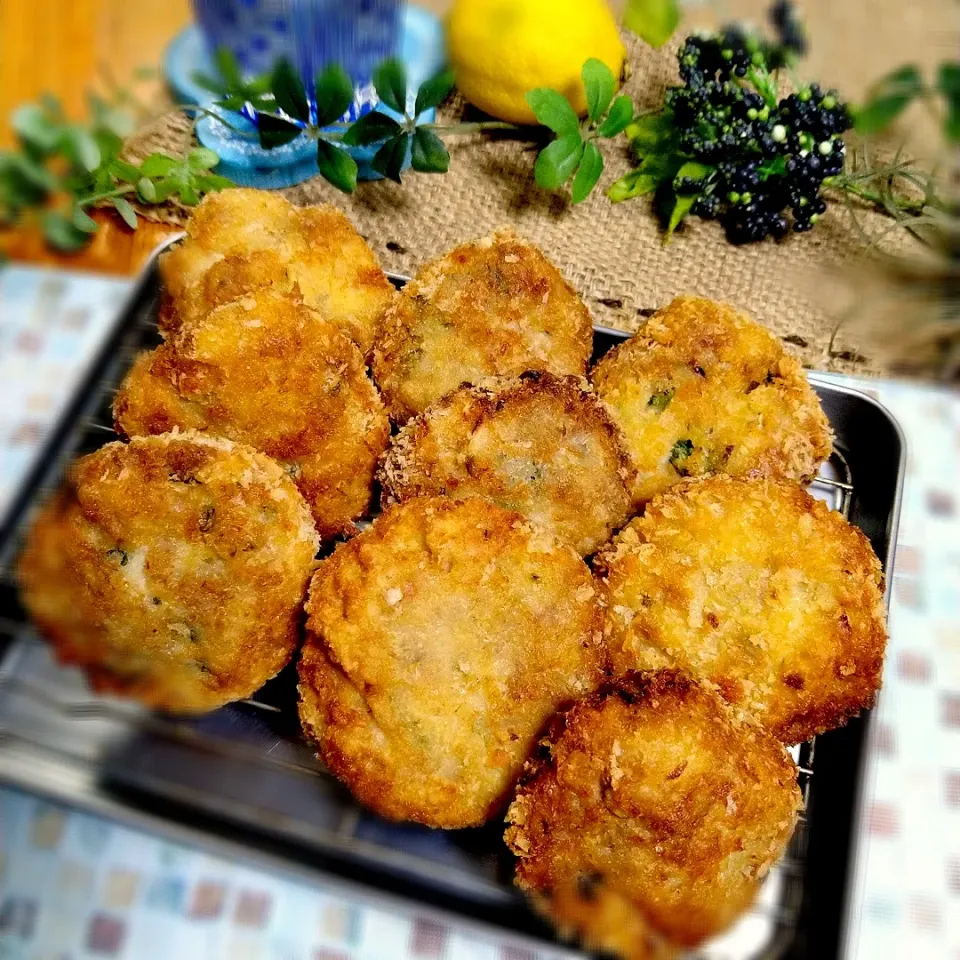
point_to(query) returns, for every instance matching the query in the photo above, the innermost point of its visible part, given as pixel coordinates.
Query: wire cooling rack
(246, 765)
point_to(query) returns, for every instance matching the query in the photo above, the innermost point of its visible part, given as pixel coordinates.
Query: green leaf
(228, 67)
(599, 85)
(588, 173)
(693, 170)
(147, 191)
(60, 232)
(189, 194)
(389, 159)
(33, 125)
(208, 83)
(434, 91)
(231, 103)
(888, 99)
(157, 165)
(288, 90)
(557, 161)
(777, 167)
(200, 158)
(390, 80)
(126, 211)
(82, 220)
(337, 166)
(652, 20)
(681, 207)
(275, 131)
(372, 127)
(429, 154)
(257, 86)
(948, 83)
(82, 149)
(211, 182)
(161, 189)
(618, 119)
(334, 91)
(553, 110)
(108, 143)
(651, 132)
(633, 184)
(663, 166)
(34, 173)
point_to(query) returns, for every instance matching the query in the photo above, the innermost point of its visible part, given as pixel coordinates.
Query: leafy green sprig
(284, 112)
(62, 169)
(892, 94)
(574, 153)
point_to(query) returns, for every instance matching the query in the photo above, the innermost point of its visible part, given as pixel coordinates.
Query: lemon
(500, 49)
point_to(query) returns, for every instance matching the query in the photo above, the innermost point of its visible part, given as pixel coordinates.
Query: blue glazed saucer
(242, 159)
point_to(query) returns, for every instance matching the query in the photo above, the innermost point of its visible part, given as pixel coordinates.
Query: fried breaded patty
(438, 643)
(273, 373)
(492, 307)
(649, 816)
(538, 444)
(172, 569)
(242, 240)
(757, 588)
(702, 388)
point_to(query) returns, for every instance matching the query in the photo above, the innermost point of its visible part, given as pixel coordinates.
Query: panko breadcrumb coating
(649, 815)
(538, 444)
(701, 389)
(757, 588)
(438, 643)
(492, 307)
(242, 240)
(172, 569)
(271, 372)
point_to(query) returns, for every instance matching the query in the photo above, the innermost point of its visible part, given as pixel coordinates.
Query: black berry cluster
(761, 157)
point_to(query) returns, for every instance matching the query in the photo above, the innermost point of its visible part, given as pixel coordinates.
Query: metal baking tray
(243, 773)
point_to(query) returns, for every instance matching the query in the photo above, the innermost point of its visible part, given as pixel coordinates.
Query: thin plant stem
(477, 127)
(106, 195)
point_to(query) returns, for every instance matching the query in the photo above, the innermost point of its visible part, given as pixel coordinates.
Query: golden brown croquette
(492, 307)
(243, 240)
(649, 815)
(756, 588)
(538, 444)
(701, 389)
(269, 371)
(172, 569)
(439, 641)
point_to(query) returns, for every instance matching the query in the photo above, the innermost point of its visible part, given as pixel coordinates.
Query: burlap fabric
(614, 254)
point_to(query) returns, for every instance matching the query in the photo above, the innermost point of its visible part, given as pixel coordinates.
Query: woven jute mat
(614, 254)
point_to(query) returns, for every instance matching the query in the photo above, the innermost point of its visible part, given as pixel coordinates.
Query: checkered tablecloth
(75, 886)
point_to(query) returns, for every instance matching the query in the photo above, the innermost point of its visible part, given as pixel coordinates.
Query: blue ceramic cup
(357, 34)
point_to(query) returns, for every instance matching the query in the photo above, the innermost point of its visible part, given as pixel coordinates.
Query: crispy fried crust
(438, 643)
(649, 815)
(172, 569)
(243, 240)
(538, 444)
(270, 372)
(702, 388)
(491, 307)
(757, 588)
